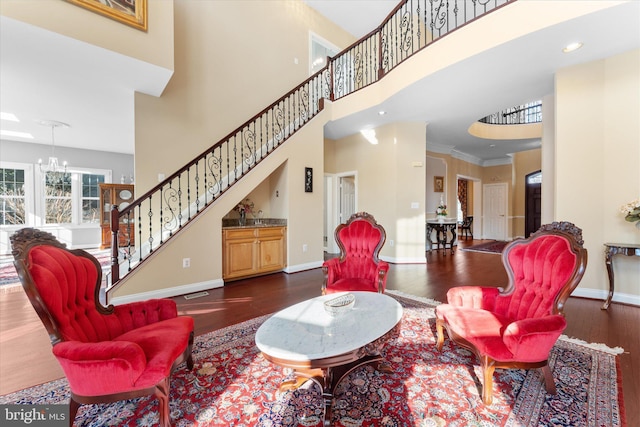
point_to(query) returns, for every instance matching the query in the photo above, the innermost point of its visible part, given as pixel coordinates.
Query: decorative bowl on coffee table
(340, 304)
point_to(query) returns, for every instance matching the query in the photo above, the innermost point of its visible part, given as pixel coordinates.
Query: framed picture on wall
(438, 184)
(130, 12)
(308, 180)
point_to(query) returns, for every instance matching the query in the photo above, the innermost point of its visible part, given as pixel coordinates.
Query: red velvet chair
(517, 327)
(107, 354)
(358, 267)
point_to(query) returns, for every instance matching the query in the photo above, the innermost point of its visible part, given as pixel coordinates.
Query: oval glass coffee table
(323, 348)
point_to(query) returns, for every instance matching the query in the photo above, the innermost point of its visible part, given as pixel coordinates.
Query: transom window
(536, 178)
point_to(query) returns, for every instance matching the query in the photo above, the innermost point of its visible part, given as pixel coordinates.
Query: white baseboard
(392, 260)
(168, 292)
(302, 267)
(602, 294)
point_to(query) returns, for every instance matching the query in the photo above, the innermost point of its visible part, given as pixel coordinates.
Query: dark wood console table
(445, 234)
(612, 249)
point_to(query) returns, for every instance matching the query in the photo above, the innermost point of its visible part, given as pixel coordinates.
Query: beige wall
(227, 70)
(436, 166)
(154, 46)
(597, 157)
(388, 183)
(456, 168)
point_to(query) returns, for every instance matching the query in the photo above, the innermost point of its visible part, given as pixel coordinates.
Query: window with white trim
(12, 196)
(91, 197)
(58, 202)
(319, 50)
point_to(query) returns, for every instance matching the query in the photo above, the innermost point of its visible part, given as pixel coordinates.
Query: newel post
(115, 226)
(330, 62)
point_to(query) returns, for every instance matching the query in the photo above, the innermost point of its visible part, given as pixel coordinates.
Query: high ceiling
(510, 75)
(46, 76)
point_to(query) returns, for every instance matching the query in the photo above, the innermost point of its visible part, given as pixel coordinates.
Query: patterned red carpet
(494, 247)
(233, 385)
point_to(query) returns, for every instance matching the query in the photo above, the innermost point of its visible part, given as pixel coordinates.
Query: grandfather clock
(119, 195)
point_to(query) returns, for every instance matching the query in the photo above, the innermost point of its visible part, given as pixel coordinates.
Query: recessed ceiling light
(8, 116)
(15, 134)
(571, 47)
(382, 113)
(370, 135)
(492, 145)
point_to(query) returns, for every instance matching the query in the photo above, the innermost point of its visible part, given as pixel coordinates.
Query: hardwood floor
(25, 351)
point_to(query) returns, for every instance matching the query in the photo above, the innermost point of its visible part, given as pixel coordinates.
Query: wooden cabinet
(253, 251)
(120, 195)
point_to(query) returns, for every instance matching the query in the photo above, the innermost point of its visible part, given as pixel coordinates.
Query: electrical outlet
(391, 242)
(186, 262)
(304, 247)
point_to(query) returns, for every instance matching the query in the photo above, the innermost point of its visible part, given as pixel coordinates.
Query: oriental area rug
(233, 385)
(494, 247)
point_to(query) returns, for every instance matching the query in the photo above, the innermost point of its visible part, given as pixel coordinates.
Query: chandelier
(53, 165)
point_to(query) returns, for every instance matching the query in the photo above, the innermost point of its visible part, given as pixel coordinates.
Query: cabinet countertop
(228, 224)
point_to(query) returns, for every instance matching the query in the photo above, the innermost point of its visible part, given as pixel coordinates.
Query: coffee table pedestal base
(328, 379)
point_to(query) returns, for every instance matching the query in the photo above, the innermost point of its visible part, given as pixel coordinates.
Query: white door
(347, 198)
(494, 211)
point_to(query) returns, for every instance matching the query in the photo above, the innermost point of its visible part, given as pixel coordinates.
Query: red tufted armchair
(358, 267)
(517, 327)
(107, 354)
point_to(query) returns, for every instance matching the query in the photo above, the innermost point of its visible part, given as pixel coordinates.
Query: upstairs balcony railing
(156, 216)
(520, 115)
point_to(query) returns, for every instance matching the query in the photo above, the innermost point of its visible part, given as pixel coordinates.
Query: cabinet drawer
(240, 233)
(270, 232)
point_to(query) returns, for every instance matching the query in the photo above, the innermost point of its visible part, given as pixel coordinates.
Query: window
(12, 196)
(91, 198)
(58, 203)
(33, 198)
(319, 49)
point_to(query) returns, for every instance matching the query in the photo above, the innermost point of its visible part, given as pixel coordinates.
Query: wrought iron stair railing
(156, 216)
(521, 115)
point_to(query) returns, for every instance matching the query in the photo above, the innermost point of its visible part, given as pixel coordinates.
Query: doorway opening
(469, 202)
(339, 204)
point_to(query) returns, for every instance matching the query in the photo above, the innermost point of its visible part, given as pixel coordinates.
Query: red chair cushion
(352, 284)
(501, 339)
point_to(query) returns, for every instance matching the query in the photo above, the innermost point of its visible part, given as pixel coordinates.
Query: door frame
(477, 202)
(332, 206)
